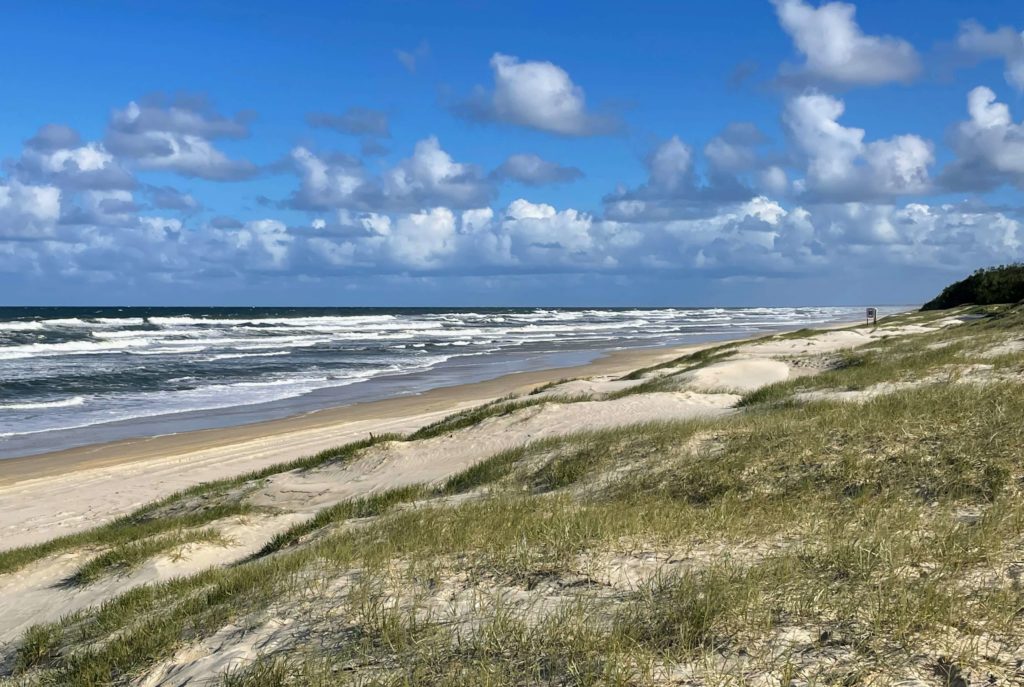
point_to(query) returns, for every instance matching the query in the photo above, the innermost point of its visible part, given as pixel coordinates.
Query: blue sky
(737, 152)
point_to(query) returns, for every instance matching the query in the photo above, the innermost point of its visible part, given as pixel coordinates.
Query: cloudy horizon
(803, 153)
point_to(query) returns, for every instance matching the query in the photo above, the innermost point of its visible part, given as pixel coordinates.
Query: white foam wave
(231, 356)
(21, 326)
(64, 403)
(69, 348)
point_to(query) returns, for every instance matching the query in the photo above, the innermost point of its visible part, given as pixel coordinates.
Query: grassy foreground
(808, 539)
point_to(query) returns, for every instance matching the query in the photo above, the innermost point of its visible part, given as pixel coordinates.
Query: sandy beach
(48, 495)
(44, 497)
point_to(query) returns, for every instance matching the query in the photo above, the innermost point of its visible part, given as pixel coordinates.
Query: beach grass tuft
(800, 540)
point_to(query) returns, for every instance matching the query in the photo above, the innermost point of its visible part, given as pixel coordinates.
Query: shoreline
(446, 399)
(424, 405)
(65, 492)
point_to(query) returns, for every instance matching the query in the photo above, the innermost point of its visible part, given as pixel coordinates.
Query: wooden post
(872, 316)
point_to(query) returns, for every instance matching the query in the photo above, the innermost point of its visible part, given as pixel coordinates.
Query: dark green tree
(989, 285)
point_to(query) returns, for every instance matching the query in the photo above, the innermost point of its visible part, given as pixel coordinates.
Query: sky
(741, 152)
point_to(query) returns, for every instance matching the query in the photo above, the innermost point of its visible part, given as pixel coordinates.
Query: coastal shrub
(986, 286)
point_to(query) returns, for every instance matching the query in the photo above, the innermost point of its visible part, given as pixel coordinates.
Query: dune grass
(125, 557)
(865, 508)
(190, 508)
(819, 543)
(122, 532)
(474, 416)
(701, 357)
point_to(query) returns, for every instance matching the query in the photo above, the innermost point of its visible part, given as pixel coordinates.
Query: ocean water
(133, 370)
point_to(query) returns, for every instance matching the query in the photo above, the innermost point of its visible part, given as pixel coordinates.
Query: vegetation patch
(800, 542)
(991, 285)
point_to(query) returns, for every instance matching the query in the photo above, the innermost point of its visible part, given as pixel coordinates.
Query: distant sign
(873, 315)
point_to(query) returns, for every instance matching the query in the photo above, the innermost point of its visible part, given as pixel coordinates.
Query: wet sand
(441, 400)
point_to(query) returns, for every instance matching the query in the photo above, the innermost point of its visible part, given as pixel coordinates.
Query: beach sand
(59, 493)
(46, 496)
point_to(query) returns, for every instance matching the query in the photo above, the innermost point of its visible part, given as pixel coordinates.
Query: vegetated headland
(839, 506)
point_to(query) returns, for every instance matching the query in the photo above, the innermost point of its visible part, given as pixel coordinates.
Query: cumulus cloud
(1005, 43)
(355, 121)
(178, 137)
(423, 240)
(735, 149)
(262, 245)
(841, 166)
(756, 237)
(57, 155)
(837, 50)
(168, 198)
(989, 146)
(673, 189)
(536, 95)
(28, 212)
(102, 208)
(538, 232)
(533, 170)
(429, 178)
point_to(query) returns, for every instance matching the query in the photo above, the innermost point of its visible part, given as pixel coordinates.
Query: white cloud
(432, 173)
(1005, 42)
(989, 146)
(840, 165)
(538, 95)
(429, 178)
(671, 165)
(673, 189)
(423, 240)
(537, 229)
(87, 158)
(108, 208)
(837, 50)
(534, 170)
(774, 180)
(178, 138)
(57, 155)
(261, 244)
(161, 228)
(28, 211)
(326, 183)
(735, 149)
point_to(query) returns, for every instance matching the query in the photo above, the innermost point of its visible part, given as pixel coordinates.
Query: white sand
(38, 509)
(37, 504)
(740, 375)
(35, 594)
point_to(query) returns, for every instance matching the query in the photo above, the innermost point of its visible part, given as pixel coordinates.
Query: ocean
(71, 376)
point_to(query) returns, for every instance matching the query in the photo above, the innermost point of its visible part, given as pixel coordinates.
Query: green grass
(121, 532)
(474, 416)
(365, 507)
(200, 505)
(699, 358)
(886, 532)
(126, 557)
(832, 475)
